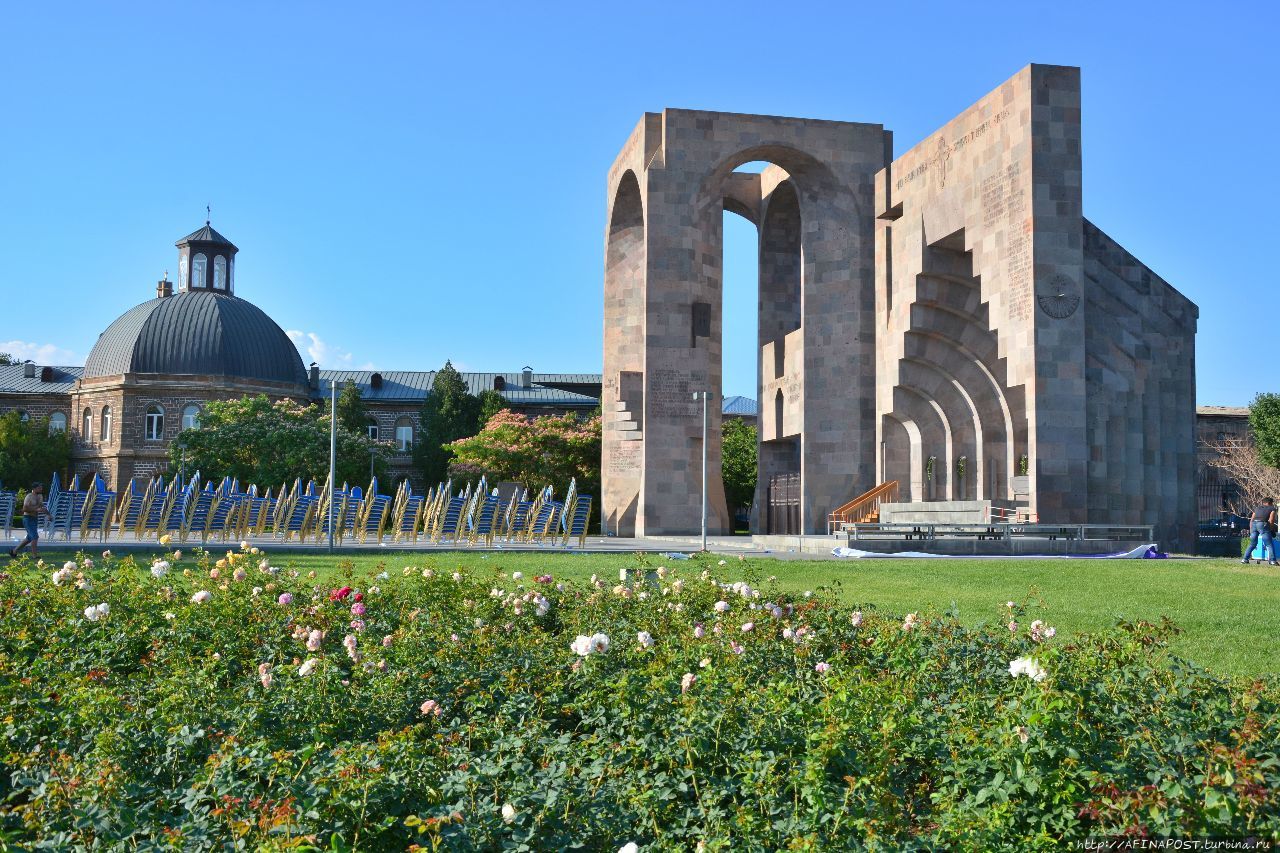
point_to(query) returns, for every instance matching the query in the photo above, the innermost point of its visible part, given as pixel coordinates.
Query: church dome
(202, 332)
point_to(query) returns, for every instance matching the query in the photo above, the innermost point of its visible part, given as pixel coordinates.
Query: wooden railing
(864, 508)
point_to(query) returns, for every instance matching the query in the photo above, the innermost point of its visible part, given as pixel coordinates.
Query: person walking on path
(32, 506)
(1260, 523)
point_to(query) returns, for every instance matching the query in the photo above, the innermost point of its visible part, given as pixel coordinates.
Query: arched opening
(106, 423)
(191, 417)
(623, 385)
(57, 422)
(198, 268)
(153, 425)
(760, 308)
(219, 273)
(86, 426)
(404, 434)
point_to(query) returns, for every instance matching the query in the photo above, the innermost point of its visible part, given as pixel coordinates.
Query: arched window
(199, 265)
(182, 273)
(23, 416)
(57, 422)
(106, 423)
(219, 273)
(86, 426)
(191, 417)
(154, 429)
(404, 434)
(372, 429)
(231, 275)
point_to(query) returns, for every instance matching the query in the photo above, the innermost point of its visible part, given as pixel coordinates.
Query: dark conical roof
(205, 235)
(197, 332)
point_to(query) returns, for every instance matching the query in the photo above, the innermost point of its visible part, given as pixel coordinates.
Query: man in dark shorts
(32, 506)
(1260, 523)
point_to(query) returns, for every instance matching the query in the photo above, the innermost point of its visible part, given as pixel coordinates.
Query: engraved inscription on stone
(671, 394)
(625, 458)
(1004, 203)
(1018, 270)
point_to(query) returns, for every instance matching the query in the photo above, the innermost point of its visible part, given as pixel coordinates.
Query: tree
(353, 414)
(1239, 461)
(738, 462)
(449, 413)
(7, 358)
(1264, 423)
(258, 441)
(491, 402)
(535, 451)
(29, 452)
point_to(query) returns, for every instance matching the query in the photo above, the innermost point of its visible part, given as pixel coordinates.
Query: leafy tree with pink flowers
(535, 451)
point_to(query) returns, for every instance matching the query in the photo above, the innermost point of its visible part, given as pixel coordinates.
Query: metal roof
(12, 380)
(413, 385)
(205, 235)
(1223, 411)
(739, 405)
(197, 332)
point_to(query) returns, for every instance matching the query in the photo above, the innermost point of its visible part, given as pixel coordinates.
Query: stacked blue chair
(129, 506)
(577, 518)
(196, 519)
(98, 510)
(174, 518)
(8, 501)
(259, 512)
(300, 517)
(485, 522)
(410, 516)
(373, 515)
(451, 521)
(153, 511)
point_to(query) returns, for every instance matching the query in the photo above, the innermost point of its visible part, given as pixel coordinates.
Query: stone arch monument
(663, 248)
(948, 320)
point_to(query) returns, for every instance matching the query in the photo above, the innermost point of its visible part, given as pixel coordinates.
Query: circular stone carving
(1059, 297)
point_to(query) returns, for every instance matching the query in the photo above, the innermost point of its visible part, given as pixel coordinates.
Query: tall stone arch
(663, 317)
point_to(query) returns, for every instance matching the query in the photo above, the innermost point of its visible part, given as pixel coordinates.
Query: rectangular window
(404, 438)
(701, 326)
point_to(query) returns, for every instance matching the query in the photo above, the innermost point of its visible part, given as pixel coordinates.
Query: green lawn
(1229, 613)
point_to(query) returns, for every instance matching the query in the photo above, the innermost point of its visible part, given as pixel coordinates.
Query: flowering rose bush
(464, 712)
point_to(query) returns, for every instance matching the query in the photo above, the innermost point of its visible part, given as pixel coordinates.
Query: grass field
(1229, 613)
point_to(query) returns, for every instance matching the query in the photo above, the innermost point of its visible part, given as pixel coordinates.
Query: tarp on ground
(1136, 554)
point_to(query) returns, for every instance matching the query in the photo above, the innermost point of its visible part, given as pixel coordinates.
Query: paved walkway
(734, 545)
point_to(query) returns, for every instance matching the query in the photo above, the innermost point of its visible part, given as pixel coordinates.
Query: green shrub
(149, 725)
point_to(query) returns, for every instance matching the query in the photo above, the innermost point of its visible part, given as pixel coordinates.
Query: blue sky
(411, 182)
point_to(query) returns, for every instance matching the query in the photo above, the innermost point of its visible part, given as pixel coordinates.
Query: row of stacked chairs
(474, 515)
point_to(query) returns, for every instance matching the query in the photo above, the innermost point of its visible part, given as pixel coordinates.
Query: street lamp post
(333, 450)
(704, 395)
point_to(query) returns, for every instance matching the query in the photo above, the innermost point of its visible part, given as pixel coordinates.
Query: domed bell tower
(206, 261)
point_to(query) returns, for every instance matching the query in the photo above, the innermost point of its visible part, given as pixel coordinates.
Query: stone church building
(944, 319)
(152, 370)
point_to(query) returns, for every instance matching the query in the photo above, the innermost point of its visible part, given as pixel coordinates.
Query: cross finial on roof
(208, 214)
(166, 275)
